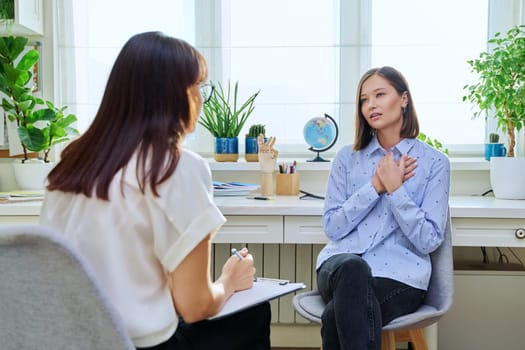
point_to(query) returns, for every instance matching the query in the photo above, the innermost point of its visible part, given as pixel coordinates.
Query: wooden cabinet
(28, 20)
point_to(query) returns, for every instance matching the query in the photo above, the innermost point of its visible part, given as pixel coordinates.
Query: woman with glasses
(139, 207)
(383, 214)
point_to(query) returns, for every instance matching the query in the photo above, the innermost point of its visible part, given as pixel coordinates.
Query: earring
(404, 109)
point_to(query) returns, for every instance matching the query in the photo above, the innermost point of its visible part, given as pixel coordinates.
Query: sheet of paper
(262, 290)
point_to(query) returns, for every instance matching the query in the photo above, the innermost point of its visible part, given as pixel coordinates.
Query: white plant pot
(32, 174)
(507, 177)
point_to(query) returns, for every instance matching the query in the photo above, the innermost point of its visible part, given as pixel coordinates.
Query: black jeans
(358, 304)
(248, 329)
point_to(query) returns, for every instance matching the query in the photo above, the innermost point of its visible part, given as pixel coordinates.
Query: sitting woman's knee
(355, 265)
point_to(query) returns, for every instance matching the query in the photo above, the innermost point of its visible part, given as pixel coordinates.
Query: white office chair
(49, 299)
(407, 328)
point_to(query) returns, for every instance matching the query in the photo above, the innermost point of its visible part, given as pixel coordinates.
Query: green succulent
(224, 115)
(493, 138)
(256, 129)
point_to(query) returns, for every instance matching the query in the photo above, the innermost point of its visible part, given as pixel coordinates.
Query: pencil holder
(288, 184)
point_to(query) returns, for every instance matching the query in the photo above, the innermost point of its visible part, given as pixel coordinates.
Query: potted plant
(224, 117)
(494, 148)
(7, 10)
(40, 124)
(432, 142)
(251, 149)
(500, 93)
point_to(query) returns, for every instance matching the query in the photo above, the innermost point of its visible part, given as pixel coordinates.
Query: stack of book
(233, 188)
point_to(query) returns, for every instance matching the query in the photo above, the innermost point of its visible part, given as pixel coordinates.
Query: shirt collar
(405, 145)
(402, 147)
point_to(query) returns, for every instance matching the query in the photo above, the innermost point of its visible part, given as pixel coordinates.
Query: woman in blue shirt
(385, 211)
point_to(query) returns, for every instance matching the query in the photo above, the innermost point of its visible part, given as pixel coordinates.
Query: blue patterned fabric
(394, 233)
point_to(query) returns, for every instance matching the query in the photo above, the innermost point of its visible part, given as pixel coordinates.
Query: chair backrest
(440, 292)
(437, 301)
(441, 288)
(49, 298)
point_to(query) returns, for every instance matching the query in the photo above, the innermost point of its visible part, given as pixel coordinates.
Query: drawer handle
(520, 233)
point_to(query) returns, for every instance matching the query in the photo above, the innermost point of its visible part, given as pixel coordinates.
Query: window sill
(457, 164)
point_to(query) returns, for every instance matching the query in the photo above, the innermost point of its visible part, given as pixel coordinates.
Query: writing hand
(240, 272)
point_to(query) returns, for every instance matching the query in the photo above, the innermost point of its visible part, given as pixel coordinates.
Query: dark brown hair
(410, 128)
(145, 108)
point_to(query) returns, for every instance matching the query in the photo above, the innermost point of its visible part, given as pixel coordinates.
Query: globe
(320, 133)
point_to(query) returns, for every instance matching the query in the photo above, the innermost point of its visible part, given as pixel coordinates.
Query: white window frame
(212, 17)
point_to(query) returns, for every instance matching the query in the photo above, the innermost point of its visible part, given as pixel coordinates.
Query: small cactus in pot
(256, 129)
(493, 138)
(251, 147)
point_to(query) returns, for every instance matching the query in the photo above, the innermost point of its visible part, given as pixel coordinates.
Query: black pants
(248, 329)
(358, 305)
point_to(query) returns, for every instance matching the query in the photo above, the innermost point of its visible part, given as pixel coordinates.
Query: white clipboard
(263, 289)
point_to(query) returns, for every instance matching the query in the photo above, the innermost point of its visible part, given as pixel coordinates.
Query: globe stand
(317, 158)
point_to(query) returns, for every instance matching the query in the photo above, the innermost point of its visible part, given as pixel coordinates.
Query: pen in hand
(236, 253)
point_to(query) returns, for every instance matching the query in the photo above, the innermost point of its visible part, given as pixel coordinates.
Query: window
(288, 49)
(89, 40)
(430, 44)
(306, 56)
(308, 62)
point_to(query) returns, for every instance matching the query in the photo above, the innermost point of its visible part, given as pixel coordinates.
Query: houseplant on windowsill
(432, 142)
(494, 148)
(224, 117)
(40, 125)
(251, 149)
(500, 93)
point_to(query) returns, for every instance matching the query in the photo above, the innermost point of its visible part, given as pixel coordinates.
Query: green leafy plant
(256, 129)
(40, 125)
(501, 85)
(432, 142)
(223, 115)
(7, 9)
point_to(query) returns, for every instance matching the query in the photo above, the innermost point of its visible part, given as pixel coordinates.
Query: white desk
(476, 221)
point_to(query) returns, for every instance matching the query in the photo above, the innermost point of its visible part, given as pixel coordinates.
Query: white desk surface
(461, 206)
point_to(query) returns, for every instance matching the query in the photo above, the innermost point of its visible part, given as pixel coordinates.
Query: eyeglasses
(207, 90)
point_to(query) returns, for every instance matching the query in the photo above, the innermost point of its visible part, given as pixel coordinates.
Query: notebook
(263, 289)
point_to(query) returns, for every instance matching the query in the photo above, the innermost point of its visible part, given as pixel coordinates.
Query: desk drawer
(487, 232)
(19, 219)
(304, 229)
(251, 229)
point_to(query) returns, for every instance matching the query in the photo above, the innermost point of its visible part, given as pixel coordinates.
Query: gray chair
(49, 299)
(407, 328)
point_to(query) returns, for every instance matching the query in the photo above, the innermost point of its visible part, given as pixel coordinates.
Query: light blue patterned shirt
(394, 233)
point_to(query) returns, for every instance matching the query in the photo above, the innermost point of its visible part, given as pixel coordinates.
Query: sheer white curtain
(91, 34)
